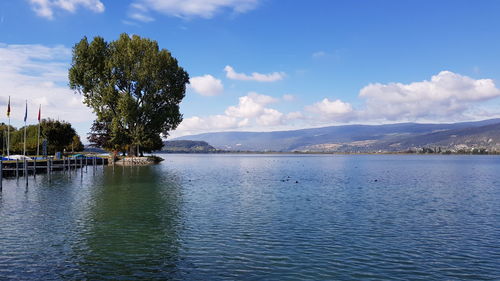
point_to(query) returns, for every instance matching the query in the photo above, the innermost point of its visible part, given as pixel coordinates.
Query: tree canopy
(60, 136)
(134, 88)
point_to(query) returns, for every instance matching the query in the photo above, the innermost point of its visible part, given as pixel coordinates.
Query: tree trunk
(131, 151)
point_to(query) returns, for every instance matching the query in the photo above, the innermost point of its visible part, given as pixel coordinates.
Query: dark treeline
(60, 136)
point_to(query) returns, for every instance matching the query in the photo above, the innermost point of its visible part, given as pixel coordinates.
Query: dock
(25, 168)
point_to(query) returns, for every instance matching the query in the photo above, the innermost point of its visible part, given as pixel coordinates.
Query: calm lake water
(258, 217)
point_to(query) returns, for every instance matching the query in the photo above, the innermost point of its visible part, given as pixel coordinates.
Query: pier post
(17, 168)
(81, 167)
(26, 171)
(1, 174)
(48, 168)
(64, 164)
(34, 168)
(49, 165)
(86, 163)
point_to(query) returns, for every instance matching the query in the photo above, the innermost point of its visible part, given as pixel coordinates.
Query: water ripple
(258, 217)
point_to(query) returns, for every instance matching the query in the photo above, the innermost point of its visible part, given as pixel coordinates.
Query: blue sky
(263, 65)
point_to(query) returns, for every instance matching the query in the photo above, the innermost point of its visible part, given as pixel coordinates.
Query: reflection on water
(130, 226)
(111, 224)
(258, 217)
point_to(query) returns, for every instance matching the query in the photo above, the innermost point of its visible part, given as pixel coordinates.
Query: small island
(188, 146)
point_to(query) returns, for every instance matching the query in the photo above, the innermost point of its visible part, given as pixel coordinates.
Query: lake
(258, 217)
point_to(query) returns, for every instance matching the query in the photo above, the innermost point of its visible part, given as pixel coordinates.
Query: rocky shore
(137, 161)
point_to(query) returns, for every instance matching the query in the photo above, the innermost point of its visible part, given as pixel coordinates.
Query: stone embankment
(137, 161)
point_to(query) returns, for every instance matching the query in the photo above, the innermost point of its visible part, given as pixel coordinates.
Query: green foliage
(75, 145)
(133, 87)
(17, 140)
(188, 146)
(3, 136)
(60, 135)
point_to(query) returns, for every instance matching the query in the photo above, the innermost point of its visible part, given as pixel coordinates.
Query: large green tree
(134, 88)
(60, 136)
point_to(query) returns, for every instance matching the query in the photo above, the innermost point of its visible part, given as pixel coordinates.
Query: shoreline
(329, 153)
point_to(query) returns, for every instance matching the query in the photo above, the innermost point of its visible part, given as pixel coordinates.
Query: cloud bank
(252, 111)
(207, 9)
(46, 8)
(446, 97)
(39, 74)
(255, 76)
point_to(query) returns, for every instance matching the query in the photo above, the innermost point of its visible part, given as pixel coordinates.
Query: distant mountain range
(363, 138)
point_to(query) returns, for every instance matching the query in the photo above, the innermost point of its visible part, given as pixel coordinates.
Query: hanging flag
(26, 112)
(8, 108)
(39, 113)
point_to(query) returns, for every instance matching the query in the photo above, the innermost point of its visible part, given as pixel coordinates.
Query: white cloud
(335, 110)
(250, 106)
(192, 8)
(270, 117)
(206, 85)
(214, 122)
(141, 17)
(446, 95)
(294, 115)
(255, 76)
(45, 8)
(39, 74)
(250, 113)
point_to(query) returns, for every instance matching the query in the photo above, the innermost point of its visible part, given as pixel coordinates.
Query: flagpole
(8, 130)
(24, 153)
(38, 139)
(4, 143)
(25, 115)
(8, 139)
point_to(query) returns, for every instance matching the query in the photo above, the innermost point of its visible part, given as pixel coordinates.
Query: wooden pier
(25, 168)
